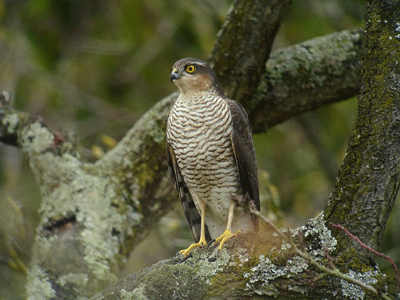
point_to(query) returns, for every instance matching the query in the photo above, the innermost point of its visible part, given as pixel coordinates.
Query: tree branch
(260, 266)
(307, 76)
(299, 78)
(368, 181)
(92, 215)
(243, 45)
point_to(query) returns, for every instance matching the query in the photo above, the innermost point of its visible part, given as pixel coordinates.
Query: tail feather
(189, 209)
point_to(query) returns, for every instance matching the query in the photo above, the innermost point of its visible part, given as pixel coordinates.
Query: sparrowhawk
(211, 156)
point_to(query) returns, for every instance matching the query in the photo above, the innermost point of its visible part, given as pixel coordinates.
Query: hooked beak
(174, 74)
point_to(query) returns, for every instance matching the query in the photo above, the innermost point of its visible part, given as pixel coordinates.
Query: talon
(210, 243)
(212, 259)
(224, 237)
(200, 244)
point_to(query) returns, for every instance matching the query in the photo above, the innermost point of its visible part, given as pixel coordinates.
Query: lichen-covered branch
(368, 182)
(298, 80)
(307, 76)
(324, 270)
(262, 266)
(92, 215)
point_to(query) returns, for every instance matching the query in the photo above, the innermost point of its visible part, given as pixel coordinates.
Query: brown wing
(243, 148)
(189, 208)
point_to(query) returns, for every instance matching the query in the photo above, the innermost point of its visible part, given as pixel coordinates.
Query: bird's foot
(201, 243)
(227, 234)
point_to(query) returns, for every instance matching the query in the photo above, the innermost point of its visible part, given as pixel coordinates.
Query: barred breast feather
(199, 134)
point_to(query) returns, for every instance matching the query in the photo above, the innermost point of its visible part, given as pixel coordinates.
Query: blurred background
(94, 67)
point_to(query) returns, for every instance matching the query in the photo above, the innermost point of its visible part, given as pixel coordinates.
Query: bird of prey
(211, 156)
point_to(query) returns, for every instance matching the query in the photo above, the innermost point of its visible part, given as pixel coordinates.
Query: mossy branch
(332, 270)
(243, 45)
(369, 178)
(261, 266)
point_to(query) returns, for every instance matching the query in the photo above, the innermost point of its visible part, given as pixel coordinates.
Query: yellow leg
(227, 234)
(202, 242)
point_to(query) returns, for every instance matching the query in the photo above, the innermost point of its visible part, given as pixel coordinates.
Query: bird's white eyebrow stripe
(200, 63)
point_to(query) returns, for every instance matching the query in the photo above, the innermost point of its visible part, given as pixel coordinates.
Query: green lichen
(137, 294)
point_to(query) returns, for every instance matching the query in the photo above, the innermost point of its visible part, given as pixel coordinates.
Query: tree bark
(249, 30)
(368, 182)
(92, 215)
(305, 77)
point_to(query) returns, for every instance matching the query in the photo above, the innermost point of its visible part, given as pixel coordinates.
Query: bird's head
(192, 75)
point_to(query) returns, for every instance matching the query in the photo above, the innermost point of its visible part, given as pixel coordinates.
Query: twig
(329, 258)
(302, 247)
(334, 271)
(370, 249)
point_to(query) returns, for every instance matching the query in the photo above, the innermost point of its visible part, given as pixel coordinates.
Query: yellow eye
(190, 68)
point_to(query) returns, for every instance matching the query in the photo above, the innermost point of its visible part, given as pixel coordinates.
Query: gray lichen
(36, 139)
(316, 228)
(353, 291)
(38, 285)
(260, 276)
(265, 271)
(207, 269)
(11, 121)
(94, 244)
